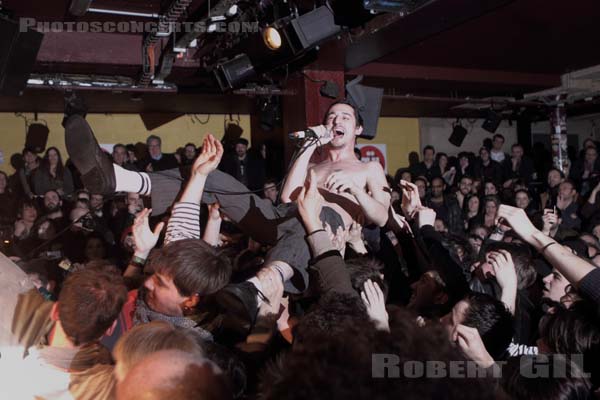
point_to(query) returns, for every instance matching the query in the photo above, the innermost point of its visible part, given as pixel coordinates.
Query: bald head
(174, 375)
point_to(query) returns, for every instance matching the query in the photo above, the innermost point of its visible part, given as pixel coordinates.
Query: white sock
(254, 280)
(284, 270)
(132, 181)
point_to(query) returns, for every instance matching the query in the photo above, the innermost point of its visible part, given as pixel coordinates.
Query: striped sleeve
(184, 222)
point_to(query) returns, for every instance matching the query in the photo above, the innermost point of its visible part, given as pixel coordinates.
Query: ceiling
(449, 50)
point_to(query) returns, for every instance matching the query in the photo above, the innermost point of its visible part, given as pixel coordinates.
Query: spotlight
(492, 121)
(272, 38)
(458, 134)
(232, 73)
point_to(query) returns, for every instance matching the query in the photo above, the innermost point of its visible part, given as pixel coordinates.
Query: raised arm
(298, 171)
(213, 225)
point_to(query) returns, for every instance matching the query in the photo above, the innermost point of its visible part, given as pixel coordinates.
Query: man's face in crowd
(241, 149)
(29, 214)
(522, 200)
(52, 201)
(162, 296)
(422, 187)
(154, 147)
(270, 192)
(428, 155)
(490, 188)
(566, 190)
(190, 152)
(554, 178)
(341, 121)
(591, 155)
(517, 152)
(437, 188)
(484, 154)
(498, 143)
(119, 155)
(29, 157)
(96, 201)
(426, 292)
(555, 286)
(465, 186)
(94, 249)
(134, 200)
(439, 226)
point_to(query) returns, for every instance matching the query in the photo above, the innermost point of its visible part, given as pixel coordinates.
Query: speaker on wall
(37, 137)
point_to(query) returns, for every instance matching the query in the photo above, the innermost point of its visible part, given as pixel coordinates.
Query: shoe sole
(94, 166)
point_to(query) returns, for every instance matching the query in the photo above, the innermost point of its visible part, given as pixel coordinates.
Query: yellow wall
(401, 136)
(114, 128)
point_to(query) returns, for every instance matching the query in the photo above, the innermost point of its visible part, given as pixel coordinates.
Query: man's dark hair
(90, 301)
(428, 147)
(242, 141)
(190, 144)
(522, 258)
(362, 269)
(492, 320)
(565, 379)
(153, 137)
(194, 266)
(516, 145)
(119, 145)
(357, 116)
(497, 135)
(562, 174)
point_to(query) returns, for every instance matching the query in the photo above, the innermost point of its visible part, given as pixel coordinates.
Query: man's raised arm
(299, 169)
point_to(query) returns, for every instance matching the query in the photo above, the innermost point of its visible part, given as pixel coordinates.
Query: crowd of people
(215, 273)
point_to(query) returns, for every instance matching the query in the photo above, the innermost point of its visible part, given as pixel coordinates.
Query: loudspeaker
(367, 100)
(492, 121)
(79, 7)
(18, 51)
(458, 135)
(37, 137)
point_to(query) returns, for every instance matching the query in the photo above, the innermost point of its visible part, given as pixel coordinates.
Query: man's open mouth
(338, 133)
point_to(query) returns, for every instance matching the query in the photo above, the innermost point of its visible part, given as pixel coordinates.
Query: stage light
(272, 38)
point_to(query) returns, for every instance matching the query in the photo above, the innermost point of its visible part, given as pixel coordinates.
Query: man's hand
(213, 212)
(355, 238)
(551, 222)
(342, 181)
(374, 300)
(469, 341)
(517, 220)
(310, 203)
(143, 237)
(323, 133)
(504, 269)
(338, 239)
(410, 198)
(272, 288)
(426, 216)
(208, 160)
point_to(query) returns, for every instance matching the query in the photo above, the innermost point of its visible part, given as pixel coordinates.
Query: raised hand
(342, 181)
(209, 158)
(426, 216)
(517, 220)
(469, 341)
(504, 269)
(374, 300)
(410, 198)
(144, 238)
(551, 223)
(310, 203)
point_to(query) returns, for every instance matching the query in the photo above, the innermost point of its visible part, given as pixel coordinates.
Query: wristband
(137, 261)
(546, 246)
(315, 231)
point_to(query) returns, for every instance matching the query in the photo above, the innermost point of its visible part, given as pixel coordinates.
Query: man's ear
(54, 312)
(358, 131)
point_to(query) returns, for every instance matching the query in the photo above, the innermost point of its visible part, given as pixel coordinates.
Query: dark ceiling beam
(399, 71)
(426, 22)
(96, 49)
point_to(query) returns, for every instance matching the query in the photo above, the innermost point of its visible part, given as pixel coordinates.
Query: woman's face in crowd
(53, 157)
(422, 188)
(29, 214)
(490, 208)
(522, 200)
(473, 204)
(443, 162)
(190, 152)
(490, 189)
(555, 286)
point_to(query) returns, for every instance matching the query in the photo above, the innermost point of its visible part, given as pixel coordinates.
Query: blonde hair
(146, 339)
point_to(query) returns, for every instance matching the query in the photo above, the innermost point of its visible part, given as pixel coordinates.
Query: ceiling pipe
(463, 100)
(121, 12)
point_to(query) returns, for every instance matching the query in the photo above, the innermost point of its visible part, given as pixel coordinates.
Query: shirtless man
(353, 189)
(344, 181)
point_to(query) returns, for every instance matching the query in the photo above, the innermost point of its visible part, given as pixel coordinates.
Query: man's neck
(486, 162)
(58, 338)
(340, 154)
(429, 164)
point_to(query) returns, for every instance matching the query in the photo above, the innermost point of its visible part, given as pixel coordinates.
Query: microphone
(305, 134)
